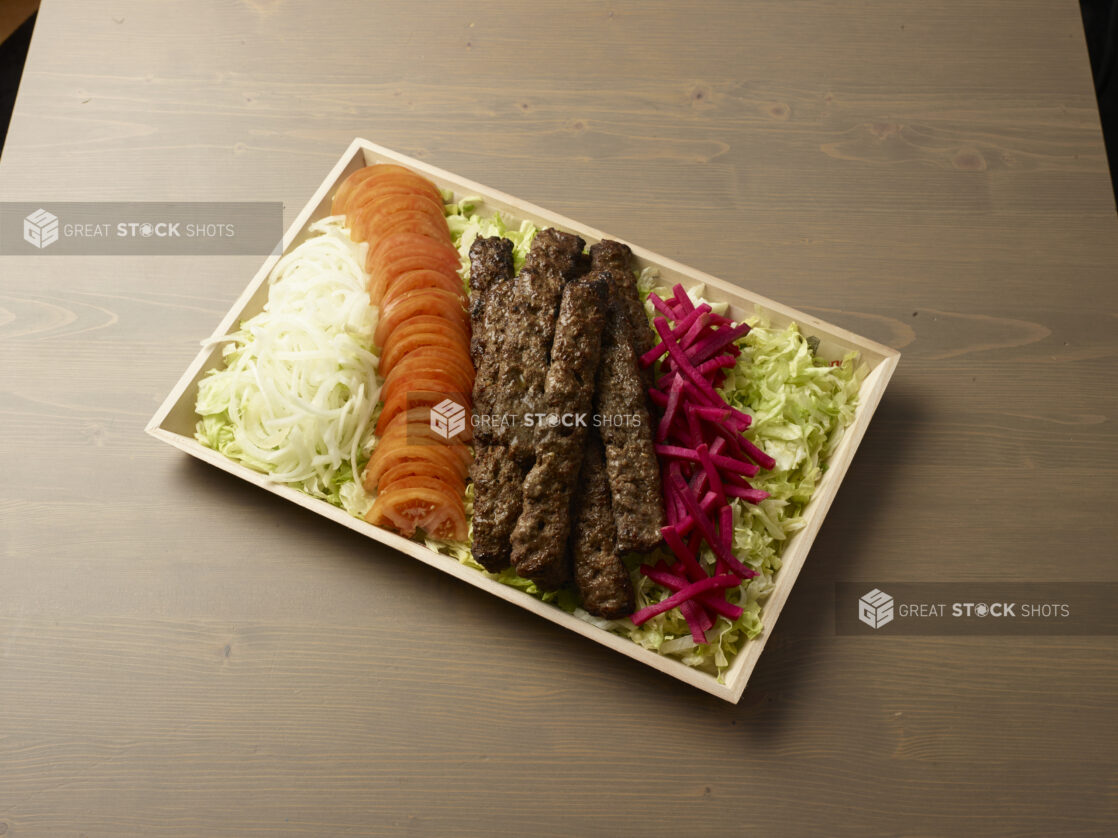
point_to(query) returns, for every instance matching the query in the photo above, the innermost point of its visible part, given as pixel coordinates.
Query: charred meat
(539, 541)
(514, 323)
(495, 476)
(490, 267)
(626, 430)
(617, 258)
(601, 577)
(553, 260)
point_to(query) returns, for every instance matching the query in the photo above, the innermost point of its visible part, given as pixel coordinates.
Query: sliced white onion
(299, 384)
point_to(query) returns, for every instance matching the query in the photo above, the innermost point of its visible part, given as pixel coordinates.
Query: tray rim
(737, 676)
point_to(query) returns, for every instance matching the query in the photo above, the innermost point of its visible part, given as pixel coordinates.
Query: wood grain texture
(180, 655)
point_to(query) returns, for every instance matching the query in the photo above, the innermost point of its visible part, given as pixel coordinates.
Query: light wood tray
(175, 420)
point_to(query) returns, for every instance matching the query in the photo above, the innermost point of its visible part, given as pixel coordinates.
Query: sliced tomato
(420, 507)
(398, 348)
(427, 323)
(414, 425)
(422, 434)
(406, 243)
(388, 176)
(399, 247)
(387, 456)
(452, 497)
(380, 279)
(414, 221)
(418, 480)
(422, 415)
(422, 302)
(346, 189)
(374, 206)
(452, 380)
(423, 376)
(423, 468)
(398, 394)
(419, 221)
(424, 392)
(422, 278)
(377, 203)
(419, 253)
(452, 527)
(433, 362)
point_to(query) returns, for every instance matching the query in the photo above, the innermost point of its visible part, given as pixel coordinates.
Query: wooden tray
(175, 420)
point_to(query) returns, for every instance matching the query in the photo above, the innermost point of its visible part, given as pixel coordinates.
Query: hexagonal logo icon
(40, 228)
(448, 418)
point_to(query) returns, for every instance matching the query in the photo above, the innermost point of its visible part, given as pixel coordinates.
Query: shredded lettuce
(467, 224)
(800, 405)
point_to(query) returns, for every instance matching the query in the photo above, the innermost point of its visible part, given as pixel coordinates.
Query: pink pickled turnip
(711, 583)
(670, 409)
(705, 459)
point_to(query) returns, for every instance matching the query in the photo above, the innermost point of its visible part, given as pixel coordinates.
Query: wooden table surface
(183, 655)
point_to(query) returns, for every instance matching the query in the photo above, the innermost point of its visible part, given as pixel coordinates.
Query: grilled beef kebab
(518, 329)
(558, 496)
(495, 476)
(539, 541)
